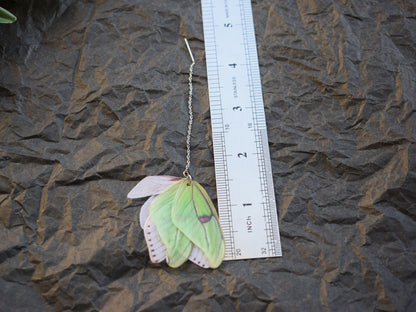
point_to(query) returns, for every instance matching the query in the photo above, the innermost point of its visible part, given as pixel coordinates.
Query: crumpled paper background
(93, 99)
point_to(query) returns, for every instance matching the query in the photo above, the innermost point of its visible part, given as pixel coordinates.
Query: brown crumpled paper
(93, 98)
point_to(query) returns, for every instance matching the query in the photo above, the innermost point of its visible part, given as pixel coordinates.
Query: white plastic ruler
(246, 201)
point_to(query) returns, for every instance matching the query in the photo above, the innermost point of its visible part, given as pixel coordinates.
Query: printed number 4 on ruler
(246, 201)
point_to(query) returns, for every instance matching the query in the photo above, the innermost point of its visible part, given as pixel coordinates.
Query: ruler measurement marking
(257, 116)
(219, 153)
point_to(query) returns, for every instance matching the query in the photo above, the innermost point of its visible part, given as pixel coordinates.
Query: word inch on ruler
(246, 201)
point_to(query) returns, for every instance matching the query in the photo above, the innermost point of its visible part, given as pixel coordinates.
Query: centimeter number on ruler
(246, 202)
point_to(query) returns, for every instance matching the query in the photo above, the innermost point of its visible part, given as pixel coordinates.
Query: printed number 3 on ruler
(246, 202)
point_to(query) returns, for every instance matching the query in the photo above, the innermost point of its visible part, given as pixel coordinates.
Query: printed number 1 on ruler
(246, 202)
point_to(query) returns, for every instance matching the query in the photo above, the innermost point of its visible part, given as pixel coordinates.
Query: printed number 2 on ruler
(246, 202)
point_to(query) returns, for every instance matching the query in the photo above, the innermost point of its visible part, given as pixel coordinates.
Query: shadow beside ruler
(246, 201)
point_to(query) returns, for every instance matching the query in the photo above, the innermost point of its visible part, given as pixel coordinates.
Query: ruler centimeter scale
(246, 201)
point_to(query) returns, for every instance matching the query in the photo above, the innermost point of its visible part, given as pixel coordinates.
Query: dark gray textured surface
(93, 98)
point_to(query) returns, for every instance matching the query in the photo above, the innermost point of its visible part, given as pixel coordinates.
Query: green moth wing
(179, 222)
(178, 246)
(6, 16)
(194, 214)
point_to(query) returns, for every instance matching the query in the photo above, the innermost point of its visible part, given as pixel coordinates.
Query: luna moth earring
(179, 220)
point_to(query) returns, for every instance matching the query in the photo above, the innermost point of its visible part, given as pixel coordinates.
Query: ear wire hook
(189, 50)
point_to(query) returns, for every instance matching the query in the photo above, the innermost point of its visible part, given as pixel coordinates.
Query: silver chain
(191, 116)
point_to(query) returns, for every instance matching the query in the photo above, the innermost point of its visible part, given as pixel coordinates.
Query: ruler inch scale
(245, 192)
